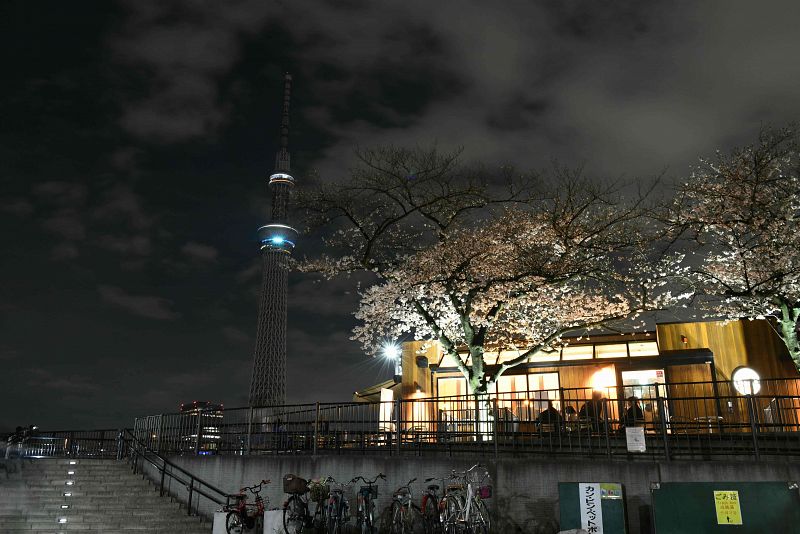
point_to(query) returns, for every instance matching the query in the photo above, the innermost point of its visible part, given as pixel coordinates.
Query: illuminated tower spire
(277, 240)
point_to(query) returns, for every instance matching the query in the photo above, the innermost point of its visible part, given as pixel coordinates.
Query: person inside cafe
(592, 412)
(548, 419)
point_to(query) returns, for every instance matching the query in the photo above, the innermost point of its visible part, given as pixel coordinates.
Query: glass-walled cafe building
(697, 375)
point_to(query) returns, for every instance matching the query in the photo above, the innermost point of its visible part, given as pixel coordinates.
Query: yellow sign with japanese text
(728, 510)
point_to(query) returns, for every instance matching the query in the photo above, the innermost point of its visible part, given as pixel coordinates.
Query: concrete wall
(525, 489)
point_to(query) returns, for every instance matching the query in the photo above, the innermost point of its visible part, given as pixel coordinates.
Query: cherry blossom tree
(742, 210)
(483, 263)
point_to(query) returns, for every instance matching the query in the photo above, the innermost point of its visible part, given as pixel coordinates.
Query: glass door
(646, 385)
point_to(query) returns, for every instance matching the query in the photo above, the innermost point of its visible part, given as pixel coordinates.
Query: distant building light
(67, 494)
(64, 506)
(62, 520)
(70, 482)
(72, 462)
(70, 472)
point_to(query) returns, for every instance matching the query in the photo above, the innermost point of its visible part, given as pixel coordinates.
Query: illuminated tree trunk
(788, 332)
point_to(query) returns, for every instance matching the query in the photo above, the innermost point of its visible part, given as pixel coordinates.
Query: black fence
(676, 420)
(67, 443)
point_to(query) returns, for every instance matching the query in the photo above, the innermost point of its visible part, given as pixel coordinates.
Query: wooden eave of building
(373, 393)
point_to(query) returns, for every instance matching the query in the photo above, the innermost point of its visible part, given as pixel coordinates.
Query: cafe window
(617, 350)
(577, 352)
(450, 387)
(545, 356)
(643, 348)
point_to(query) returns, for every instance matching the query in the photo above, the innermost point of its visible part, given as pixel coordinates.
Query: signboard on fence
(727, 506)
(591, 509)
(634, 436)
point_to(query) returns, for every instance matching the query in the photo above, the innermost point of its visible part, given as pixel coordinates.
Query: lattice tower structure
(277, 240)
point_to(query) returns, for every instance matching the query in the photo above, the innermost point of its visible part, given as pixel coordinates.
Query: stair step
(106, 497)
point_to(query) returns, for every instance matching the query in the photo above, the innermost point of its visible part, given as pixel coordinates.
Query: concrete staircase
(103, 496)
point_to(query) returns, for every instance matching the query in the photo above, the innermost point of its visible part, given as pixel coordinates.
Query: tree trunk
(788, 333)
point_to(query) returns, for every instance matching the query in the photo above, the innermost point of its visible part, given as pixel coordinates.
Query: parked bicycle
(297, 516)
(403, 509)
(463, 509)
(429, 507)
(338, 508)
(365, 517)
(242, 514)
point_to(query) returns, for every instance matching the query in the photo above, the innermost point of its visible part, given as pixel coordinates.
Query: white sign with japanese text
(634, 436)
(591, 510)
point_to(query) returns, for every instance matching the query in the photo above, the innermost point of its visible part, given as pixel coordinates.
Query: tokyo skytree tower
(277, 240)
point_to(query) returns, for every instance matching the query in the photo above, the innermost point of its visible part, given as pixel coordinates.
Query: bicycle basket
(485, 492)
(319, 491)
(476, 477)
(348, 492)
(294, 484)
(369, 491)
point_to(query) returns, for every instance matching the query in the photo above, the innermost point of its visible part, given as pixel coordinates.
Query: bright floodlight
(746, 381)
(391, 351)
(277, 240)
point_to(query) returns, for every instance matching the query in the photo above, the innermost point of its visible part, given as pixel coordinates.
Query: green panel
(570, 509)
(688, 507)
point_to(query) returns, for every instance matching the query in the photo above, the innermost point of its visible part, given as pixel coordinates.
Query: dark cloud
(65, 251)
(20, 207)
(237, 335)
(185, 56)
(69, 383)
(148, 306)
(61, 193)
(128, 245)
(65, 224)
(121, 204)
(199, 251)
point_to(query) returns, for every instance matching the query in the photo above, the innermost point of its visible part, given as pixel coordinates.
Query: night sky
(136, 139)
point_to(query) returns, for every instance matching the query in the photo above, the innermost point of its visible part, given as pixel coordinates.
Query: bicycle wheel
(452, 512)
(369, 516)
(430, 515)
(398, 518)
(479, 517)
(233, 523)
(294, 516)
(320, 520)
(333, 516)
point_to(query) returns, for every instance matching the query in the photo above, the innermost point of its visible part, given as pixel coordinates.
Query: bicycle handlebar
(464, 473)
(369, 482)
(255, 489)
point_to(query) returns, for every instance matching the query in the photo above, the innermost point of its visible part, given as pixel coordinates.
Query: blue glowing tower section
(277, 240)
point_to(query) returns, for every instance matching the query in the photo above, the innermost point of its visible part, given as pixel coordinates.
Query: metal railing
(678, 420)
(69, 443)
(119, 445)
(139, 454)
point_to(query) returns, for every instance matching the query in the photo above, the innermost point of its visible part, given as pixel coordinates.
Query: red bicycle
(243, 514)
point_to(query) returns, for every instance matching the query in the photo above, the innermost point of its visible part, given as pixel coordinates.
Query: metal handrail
(194, 484)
